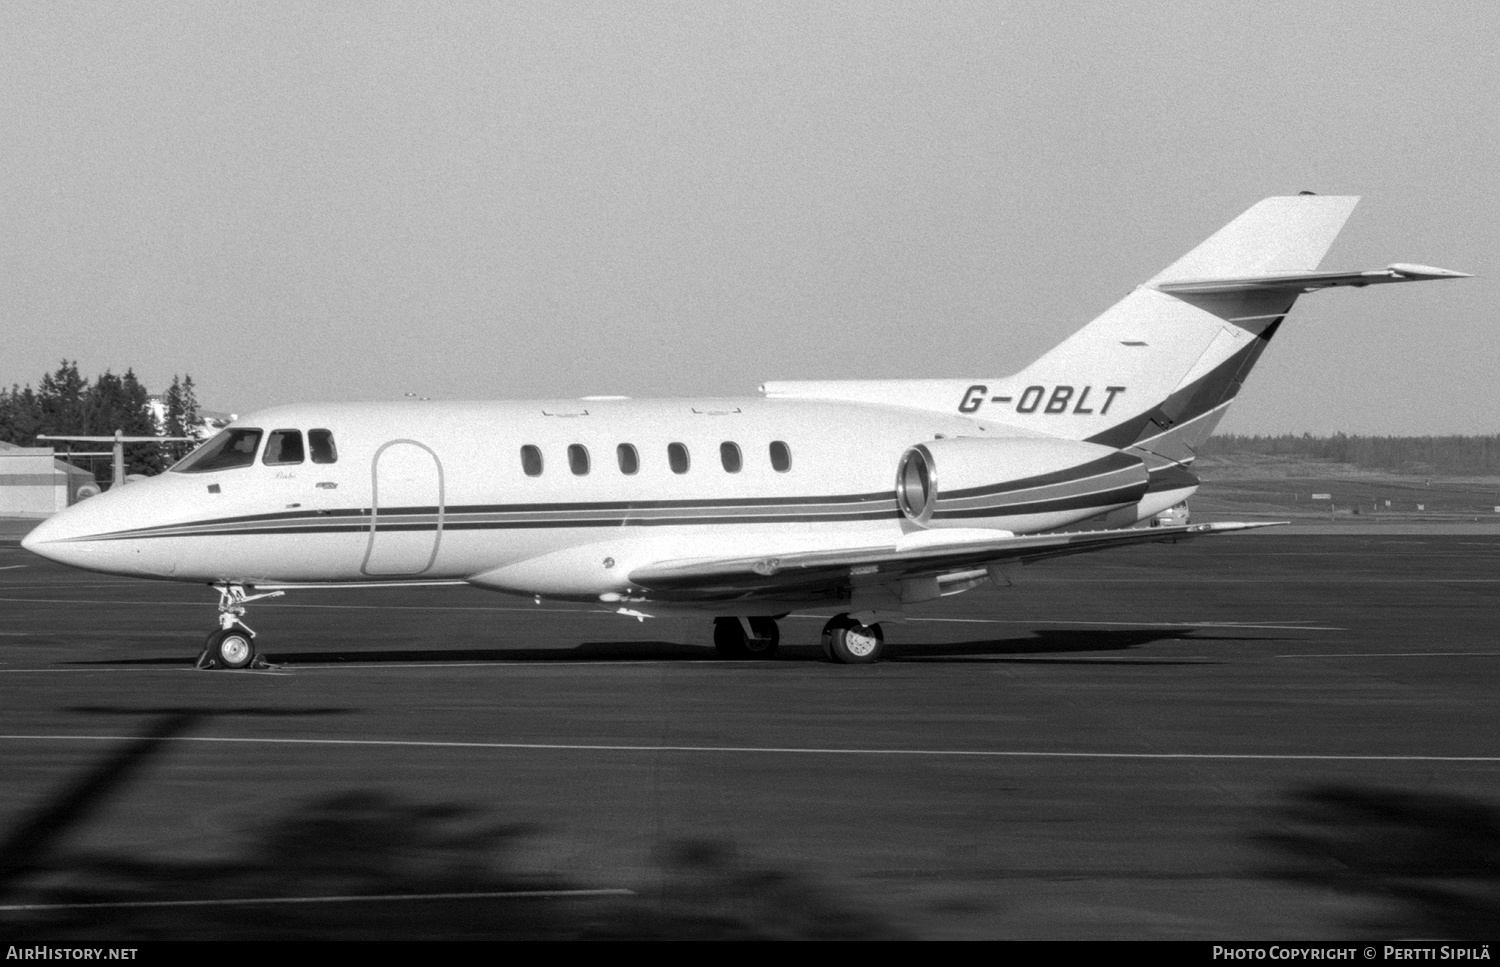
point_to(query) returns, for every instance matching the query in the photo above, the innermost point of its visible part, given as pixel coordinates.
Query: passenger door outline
(404, 553)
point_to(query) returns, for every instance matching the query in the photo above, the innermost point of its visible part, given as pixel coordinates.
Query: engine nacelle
(1019, 485)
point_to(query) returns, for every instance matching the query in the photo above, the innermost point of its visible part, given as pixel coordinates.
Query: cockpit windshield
(229, 449)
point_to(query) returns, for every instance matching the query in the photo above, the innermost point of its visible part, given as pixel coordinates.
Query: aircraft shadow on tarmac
(1428, 863)
(1042, 642)
(1047, 642)
(368, 864)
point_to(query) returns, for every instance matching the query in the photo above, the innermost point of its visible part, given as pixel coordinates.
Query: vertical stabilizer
(1157, 370)
(1277, 235)
(1170, 364)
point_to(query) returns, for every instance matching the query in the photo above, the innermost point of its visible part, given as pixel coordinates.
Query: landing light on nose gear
(233, 644)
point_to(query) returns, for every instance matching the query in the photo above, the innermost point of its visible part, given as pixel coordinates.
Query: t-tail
(1155, 373)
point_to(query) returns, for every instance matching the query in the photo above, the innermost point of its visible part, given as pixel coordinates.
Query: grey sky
(489, 200)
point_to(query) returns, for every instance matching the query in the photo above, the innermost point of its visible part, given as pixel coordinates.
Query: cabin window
(320, 442)
(531, 460)
(781, 457)
(578, 459)
(677, 457)
(229, 449)
(729, 456)
(630, 461)
(283, 447)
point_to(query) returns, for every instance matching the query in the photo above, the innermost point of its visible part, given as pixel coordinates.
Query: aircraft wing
(927, 554)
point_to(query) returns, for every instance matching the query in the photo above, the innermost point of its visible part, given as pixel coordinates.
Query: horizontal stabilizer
(1309, 281)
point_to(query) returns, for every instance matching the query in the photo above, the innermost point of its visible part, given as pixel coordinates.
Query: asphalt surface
(1275, 737)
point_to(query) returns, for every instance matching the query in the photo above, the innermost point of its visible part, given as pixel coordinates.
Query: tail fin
(1287, 234)
(1158, 369)
(1163, 367)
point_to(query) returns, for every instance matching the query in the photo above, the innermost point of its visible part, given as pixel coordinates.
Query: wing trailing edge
(921, 554)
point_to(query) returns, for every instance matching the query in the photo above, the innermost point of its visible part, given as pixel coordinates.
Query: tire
(851, 643)
(231, 649)
(729, 639)
(765, 637)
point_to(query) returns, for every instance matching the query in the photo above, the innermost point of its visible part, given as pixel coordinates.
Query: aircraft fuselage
(432, 491)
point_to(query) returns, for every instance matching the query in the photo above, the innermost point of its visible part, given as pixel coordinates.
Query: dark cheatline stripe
(656, 513)
(859, 507)
(684, 504)
(1109, 498)
(1195, 399)
(1131, 477)
(531, 523)
(392, 521)
(1094, 468)
(612, 513)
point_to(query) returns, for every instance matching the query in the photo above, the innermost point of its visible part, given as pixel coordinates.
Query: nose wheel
(233, 644)
(229, 649)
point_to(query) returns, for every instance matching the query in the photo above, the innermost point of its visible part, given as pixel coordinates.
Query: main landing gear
(849, 642)
(741, 638)
(845, 639)
(233, 644)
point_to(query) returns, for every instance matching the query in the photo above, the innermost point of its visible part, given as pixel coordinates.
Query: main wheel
(731, 641)
(765, 636)
(851, 643)
(231, 649)
(729, 638)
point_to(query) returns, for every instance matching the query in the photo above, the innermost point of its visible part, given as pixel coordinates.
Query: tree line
(67, 403)
(1412, 454)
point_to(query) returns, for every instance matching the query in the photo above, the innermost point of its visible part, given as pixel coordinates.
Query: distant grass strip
(1414, 454)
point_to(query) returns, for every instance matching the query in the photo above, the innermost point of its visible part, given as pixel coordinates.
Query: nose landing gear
(233, 644)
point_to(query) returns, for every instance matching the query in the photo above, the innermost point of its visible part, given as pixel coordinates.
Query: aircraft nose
(96, 535)
(79, 536)
(50, 538)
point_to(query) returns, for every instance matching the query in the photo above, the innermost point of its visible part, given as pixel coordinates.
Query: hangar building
(34, 483)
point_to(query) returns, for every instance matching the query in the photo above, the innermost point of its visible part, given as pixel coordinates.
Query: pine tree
(191, 422)
(62, 399)
(67, 404)
(103, 407)
(136, 420)
(173, 425)
(25, 417)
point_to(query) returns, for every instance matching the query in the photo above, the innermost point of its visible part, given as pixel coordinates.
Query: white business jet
(855, 498)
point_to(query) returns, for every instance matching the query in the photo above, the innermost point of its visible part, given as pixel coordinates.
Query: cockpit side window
(320, 442)
(229, 449)
(283, 447)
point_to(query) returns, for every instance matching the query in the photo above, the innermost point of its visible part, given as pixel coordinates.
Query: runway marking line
(598, 611)
(1400, 654)
(1128, 624)
(378, 898)
(771, 750)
